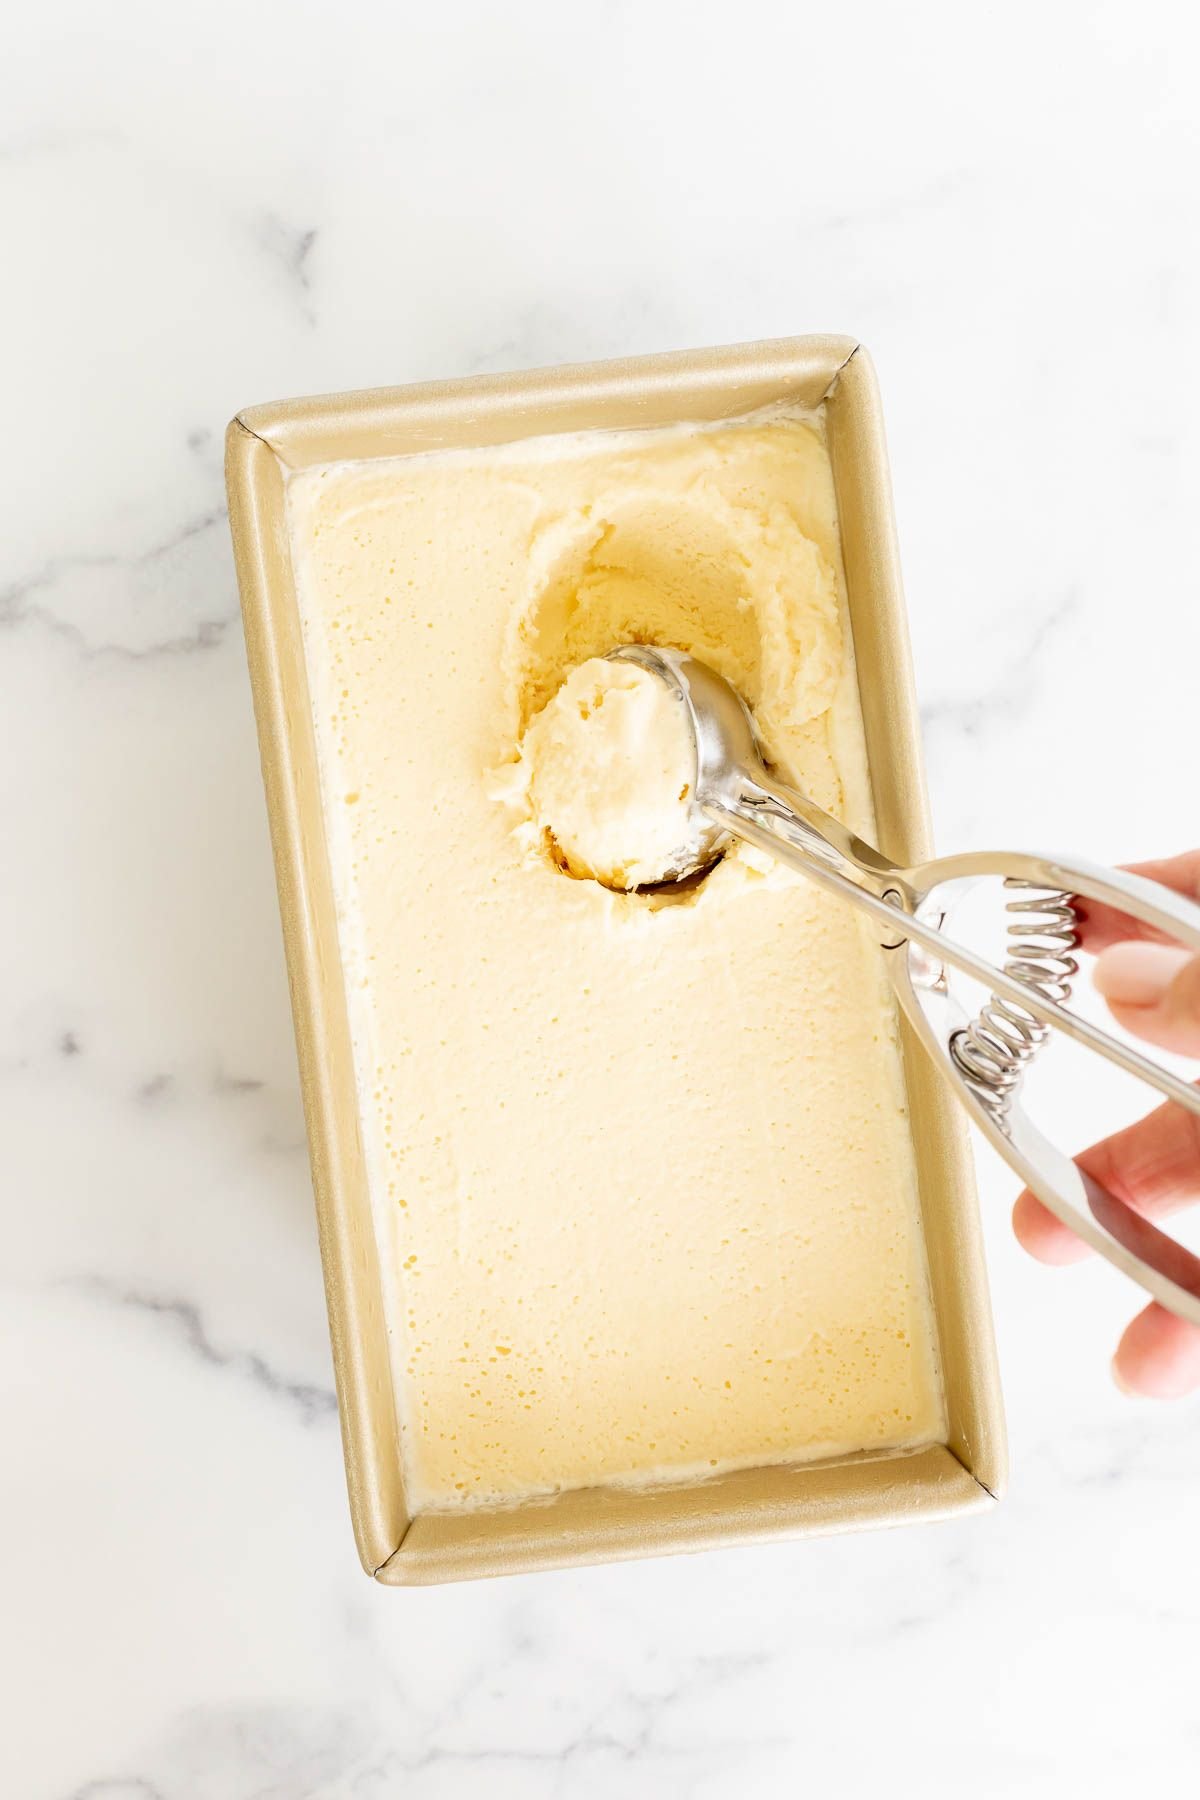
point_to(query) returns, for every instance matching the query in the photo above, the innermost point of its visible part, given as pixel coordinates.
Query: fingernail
(1138, 974)
(1121, 1382)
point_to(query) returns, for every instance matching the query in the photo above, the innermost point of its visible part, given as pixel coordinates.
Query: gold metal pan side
(630, 393)
(891, 721)
(289, 763)
(600, 1525)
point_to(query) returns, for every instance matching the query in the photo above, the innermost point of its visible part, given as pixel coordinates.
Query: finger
(1158, 1356)
(1153, 1165)
(1100, 925)
(1045, 1237)
(1154, 991)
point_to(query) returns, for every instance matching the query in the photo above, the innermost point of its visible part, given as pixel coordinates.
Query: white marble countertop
(210, 206)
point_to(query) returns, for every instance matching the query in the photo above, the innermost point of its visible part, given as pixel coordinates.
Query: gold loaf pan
(601, 1524)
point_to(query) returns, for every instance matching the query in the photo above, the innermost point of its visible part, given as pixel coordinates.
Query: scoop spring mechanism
(995, 1048)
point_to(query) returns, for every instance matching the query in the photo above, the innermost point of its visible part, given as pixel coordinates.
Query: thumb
(1153, 990)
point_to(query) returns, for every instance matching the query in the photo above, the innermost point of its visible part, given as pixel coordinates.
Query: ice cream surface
(641, 1162)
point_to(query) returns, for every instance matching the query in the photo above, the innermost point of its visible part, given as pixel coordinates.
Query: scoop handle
(795, 831)
(801, 835)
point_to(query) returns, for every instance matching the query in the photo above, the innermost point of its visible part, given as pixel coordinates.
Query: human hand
(1153, 989)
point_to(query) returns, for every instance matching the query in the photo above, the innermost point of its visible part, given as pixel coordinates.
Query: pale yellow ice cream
(607, 770)
(641, 1162)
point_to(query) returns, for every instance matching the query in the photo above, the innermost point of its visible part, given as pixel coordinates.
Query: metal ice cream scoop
(984, 1058)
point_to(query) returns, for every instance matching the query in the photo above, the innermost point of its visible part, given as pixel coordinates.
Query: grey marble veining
(215, 206)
